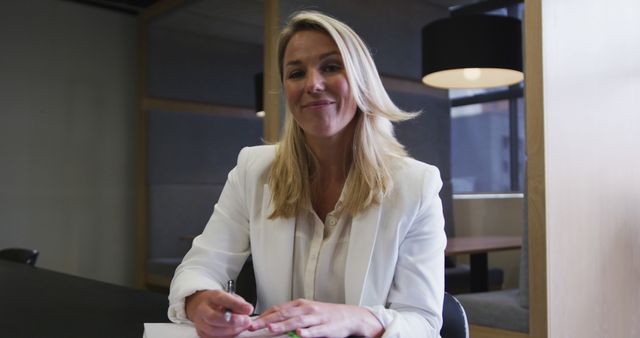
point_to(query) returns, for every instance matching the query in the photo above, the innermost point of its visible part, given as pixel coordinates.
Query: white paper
(171, 330)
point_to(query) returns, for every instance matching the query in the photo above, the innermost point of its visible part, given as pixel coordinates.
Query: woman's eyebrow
(294, 63)
(321, 57)
(326, 55)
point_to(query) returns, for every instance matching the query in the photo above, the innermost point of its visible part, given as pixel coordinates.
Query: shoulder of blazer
(412, 171)
(413, 181)
(257, 158)
(251, 173)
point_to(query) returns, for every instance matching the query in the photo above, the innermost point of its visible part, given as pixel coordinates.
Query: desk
(36, 302)
(477, 248)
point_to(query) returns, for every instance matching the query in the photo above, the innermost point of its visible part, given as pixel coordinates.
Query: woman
(345, 230)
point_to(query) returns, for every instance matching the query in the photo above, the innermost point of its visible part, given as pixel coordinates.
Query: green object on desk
(292, 334)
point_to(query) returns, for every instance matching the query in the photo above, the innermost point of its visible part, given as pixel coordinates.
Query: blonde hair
(374, 145)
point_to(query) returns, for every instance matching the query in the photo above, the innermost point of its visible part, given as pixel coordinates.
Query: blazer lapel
(276, 250)
(364, 229)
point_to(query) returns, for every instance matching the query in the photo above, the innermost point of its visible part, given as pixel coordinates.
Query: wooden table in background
(477, 247)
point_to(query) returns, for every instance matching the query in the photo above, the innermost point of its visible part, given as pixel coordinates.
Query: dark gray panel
(176, 211)
(199, 68)
(196, 148)
(427, 137)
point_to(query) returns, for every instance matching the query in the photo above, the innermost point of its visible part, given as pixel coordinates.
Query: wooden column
(536, 199)
(271, 90)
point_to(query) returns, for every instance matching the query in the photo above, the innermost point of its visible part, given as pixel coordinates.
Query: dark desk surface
(36, 302)
(481, 244)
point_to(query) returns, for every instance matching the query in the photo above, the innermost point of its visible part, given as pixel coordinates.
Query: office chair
(454, 319)
(20, 255)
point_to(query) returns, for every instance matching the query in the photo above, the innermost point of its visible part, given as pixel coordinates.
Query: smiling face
(316, 85)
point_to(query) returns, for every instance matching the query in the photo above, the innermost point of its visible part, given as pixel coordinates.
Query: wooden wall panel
(591, 77)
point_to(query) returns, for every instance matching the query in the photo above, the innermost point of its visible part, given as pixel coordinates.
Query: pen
(292, 334)
(231, 288)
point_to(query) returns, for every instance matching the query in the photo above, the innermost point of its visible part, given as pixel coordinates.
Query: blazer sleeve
(218, 254)
(414, 303)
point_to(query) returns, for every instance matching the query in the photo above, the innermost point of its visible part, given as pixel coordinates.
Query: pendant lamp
(472, 51)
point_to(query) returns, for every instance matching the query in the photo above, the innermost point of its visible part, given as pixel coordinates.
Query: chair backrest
(25, 256)
(454, 319)
(446, 196)
(523, 278)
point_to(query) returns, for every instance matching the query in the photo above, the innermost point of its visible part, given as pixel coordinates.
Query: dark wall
(190, 154)
(202, 68)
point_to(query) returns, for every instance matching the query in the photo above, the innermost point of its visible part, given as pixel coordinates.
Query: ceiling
(141, 4)
(237, 20)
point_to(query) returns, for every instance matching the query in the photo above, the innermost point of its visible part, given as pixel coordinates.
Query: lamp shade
(472, 51)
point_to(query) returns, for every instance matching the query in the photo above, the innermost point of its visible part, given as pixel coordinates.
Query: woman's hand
(316, 319)
(206, 310)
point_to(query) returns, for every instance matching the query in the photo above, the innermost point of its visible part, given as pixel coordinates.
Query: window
(488, 134)
(487, 141)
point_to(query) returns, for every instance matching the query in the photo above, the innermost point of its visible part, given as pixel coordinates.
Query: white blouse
(319, 256)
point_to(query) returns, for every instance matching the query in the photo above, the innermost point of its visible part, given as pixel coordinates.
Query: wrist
(190, 303)
(369, 325)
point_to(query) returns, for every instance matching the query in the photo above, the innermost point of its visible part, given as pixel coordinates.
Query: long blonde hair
(374, 145)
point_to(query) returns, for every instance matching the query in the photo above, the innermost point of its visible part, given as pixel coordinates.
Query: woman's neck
(334, 155)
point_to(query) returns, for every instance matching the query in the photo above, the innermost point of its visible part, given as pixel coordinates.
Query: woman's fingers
(279, 308)
(216, 318)
(290, 316)
(293, 323)
(220, 328)
(317, 319)
(206, 310)
(280, 313)
(330, 329)
(264, 319)
(233, 302)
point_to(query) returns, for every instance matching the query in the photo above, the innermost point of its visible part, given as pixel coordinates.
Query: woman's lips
(317, 104)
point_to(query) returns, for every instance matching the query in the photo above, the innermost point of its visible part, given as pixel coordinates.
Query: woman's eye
(332, 68)
(295, 74)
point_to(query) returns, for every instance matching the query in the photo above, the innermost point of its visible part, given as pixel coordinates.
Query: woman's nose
(315, 82)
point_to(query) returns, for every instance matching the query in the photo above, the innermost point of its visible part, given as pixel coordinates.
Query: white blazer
(395, 260)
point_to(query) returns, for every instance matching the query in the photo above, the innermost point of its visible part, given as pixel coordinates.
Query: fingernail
(274, 328)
